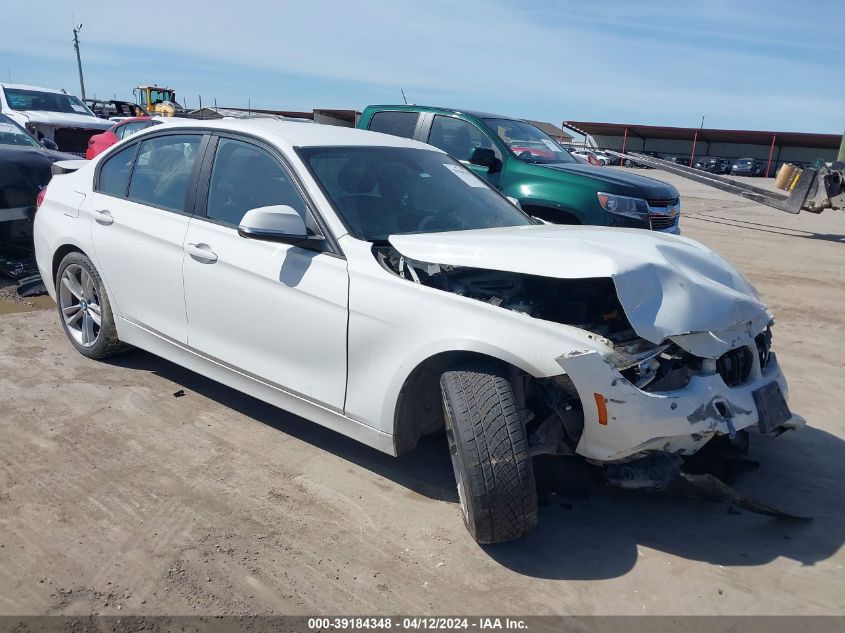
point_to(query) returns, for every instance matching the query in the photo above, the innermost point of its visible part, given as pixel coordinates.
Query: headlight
(626, 356)
(637, 362)
(636, 208)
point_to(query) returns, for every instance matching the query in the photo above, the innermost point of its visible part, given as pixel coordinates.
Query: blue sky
(750, 64)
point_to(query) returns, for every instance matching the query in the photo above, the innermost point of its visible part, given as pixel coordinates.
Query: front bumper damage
(678, 422)
(653, 440)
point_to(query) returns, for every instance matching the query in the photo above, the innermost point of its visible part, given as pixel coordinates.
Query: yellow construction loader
(157, 101)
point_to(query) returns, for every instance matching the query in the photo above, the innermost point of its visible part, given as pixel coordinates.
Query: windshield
(530, 144)
(382, 191)
(13, 134)
(20, 99)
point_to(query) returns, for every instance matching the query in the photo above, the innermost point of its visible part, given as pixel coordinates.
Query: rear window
(395, 122)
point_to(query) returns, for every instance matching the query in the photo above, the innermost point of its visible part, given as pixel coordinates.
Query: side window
(114, 174)
(130, 128)
(163, 170)
(247, 177)
(395, 122)
(457, 137)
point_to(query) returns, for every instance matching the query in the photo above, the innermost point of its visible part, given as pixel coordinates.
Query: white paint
(333, 338)
(668, 285)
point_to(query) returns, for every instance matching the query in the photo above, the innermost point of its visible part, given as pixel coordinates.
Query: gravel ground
(117, 497)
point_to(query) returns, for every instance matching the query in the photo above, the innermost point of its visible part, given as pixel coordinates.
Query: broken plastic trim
(711, 488)
(658, 472)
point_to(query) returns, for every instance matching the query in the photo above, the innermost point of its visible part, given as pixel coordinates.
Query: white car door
(139, 206)
(271, 310)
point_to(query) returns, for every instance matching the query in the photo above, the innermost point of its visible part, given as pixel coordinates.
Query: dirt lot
(117, 497)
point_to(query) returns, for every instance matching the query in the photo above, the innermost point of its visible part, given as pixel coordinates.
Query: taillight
(40, 198)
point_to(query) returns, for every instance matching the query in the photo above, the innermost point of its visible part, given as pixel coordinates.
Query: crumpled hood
(66, 119)
(669, 286)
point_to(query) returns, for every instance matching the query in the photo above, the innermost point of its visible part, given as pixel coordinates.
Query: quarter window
(456, 137)
(395, 122)
(114, 174)
(130, 128)
(163, 171)
(246, 177)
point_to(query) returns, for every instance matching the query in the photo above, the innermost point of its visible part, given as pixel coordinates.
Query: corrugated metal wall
(671, 148)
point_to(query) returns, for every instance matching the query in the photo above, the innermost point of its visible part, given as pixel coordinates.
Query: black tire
(106, 343)
(489, 449)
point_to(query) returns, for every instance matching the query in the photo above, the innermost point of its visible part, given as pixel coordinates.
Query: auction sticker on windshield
(464, 175)
(550, 145)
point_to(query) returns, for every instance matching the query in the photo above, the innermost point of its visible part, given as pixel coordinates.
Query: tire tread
(493, 446)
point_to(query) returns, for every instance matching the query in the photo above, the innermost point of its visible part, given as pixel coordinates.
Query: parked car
(24, 171)
(115, 110)
(377, 286)
(51, 114)
(678, 160)
(713, 164)
(748, 167)
(591, 157)
(606, 159)
(524, 162)
(634, 163)
(101, 142)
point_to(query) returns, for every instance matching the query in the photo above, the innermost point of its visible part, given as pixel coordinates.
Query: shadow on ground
(589, 531)
(426, 470)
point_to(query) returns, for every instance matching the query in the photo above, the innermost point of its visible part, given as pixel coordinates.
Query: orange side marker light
(601, 405)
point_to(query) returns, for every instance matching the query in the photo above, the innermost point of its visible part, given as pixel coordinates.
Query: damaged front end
(638, 408)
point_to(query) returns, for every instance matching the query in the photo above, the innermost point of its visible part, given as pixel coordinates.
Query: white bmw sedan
(374, 285)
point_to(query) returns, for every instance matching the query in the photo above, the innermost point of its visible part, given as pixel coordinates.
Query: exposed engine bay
(589, 304)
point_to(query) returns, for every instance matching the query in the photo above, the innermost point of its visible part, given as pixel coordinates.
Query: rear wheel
(489, 450)
(84, 308)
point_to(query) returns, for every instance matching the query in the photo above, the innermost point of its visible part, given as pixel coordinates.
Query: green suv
(525, 163)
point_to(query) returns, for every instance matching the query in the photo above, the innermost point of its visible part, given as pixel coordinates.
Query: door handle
(103, 216)
(202, 252)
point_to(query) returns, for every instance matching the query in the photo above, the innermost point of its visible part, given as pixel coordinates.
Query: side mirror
(486, 157)
(277, 223)
(49, 144)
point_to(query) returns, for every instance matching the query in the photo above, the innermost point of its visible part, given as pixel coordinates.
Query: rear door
(140, 205)
(273, 311)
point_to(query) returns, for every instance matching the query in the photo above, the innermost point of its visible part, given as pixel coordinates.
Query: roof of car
(133, 119)
(422, 108)
(26, 87)
(296, 134)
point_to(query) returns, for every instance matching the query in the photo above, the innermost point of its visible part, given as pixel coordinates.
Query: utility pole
(76, 31)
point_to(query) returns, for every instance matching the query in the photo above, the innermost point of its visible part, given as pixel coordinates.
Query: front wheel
(84, 308)
(489, 450)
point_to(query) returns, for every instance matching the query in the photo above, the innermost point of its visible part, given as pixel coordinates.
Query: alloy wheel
(80, 305)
